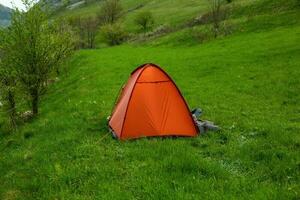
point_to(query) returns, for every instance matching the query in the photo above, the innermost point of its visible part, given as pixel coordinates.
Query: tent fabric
(150, 104)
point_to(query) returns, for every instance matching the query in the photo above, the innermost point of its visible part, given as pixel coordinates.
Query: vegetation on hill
(194, 17)
(4, 15)
(246, 80)
(31, 51)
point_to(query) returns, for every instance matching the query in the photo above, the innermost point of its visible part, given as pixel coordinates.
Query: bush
(144, 20)
(86, 30)
(113, 34)
(8, 83)
(201, 35)
(216, 15)
(111, 11)
(34, 49)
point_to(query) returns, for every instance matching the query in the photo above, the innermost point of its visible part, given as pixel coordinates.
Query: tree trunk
(216, 30)
(11, 109)
(92, 45)
(35, 101)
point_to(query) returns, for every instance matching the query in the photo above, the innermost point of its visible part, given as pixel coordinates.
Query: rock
(27, 115)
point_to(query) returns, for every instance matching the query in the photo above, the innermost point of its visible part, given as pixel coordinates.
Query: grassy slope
(170, 12)
(248, 83)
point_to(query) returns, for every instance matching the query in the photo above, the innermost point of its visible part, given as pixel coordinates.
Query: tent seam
(131, 96)
(186, 105)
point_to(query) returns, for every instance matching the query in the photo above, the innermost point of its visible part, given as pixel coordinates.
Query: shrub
(90, 25)
(85, 29)
(111, 11)
(35, 47)
(8, 82)
(201, 35)
(216, 15)
(113, 34)
(76, 24)
(144, 20)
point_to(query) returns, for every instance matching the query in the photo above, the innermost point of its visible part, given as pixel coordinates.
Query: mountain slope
(5, 13)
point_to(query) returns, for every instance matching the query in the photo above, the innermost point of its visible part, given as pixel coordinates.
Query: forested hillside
(4, 15)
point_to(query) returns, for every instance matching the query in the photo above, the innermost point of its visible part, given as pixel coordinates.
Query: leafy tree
(36, 47)
(111, 11)
(91, 26)
(77, 25)
(144, 20)
(216, 14)
(8, 81)
(113, 34)
(86, 29)
(66, 2)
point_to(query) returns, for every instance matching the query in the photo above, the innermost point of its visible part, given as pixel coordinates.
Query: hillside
(4, 15)
(181, 17)
(247, 82)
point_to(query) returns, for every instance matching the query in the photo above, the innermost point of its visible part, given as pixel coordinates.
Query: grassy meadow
(247, 83)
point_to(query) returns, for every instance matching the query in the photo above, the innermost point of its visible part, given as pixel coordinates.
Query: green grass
(196, 35)
(176, 12)
(247, 83)
(165, 12)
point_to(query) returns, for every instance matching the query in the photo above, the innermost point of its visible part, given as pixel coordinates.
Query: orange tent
(150, 104)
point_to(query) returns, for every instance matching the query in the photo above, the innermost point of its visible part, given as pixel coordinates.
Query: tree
(86, 29)
(113, 34)
(8, 81)
(90, 25)
(216, 15)
(66, 2)
(111, 11)
(36, 48)
(144, 20)
(77, 25)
